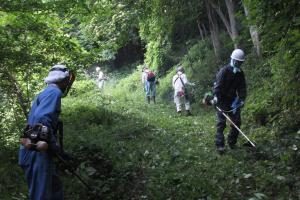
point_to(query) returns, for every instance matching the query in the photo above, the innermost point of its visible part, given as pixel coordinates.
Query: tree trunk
(225, 21)
(204, 30)
(214, 30)
(230, 8)
(200, 29)
(254, 34)
(230, 24)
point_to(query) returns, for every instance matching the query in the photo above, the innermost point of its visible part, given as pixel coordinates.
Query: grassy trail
(154, 153)
(126, 148)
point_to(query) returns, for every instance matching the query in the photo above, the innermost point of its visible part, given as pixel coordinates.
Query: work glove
(242, 103)
(214, 101)
(208, 97)
(237, 103)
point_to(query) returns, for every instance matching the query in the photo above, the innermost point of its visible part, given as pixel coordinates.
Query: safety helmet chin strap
(70, 83)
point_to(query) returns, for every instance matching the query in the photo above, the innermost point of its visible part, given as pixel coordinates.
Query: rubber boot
(220, 149)
(148, 99)
(232, 146)
(188, 113)
(154, 99)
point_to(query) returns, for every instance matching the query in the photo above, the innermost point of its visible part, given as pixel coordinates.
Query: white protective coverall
(101, 79)
(144, 77)
(178, 82)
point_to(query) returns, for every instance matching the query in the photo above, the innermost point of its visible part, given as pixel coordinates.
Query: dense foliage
(123, 146)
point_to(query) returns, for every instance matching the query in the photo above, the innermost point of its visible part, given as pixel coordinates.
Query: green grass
(156, 154)
(128, 149)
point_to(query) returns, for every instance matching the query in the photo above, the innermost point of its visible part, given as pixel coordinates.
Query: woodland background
(127, 149)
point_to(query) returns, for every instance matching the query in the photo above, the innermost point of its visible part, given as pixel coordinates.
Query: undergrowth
(128, 149)
(125, 148)
(143, 151)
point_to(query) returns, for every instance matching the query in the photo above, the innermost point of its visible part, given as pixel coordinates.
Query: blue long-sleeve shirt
(45, 110)
(39, 168)
(46, 107)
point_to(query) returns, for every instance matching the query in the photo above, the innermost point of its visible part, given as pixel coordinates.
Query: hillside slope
(155, 154)
(125, 148)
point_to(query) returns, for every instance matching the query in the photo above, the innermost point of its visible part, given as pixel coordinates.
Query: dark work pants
(221, 125)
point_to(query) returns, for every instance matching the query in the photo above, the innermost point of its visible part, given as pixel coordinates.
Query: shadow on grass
(97, 140)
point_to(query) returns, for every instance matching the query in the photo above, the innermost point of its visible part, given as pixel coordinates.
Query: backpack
(150, 76)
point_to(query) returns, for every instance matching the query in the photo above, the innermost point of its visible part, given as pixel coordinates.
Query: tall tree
(214, 29)
(253, 32)
(230, 21)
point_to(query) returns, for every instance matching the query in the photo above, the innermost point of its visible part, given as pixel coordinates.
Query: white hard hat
(57, 73)
(97, 69)
(180, 69)
(238, 54)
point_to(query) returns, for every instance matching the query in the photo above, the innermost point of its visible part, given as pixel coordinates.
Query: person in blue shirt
(149, 82)
(35, 159)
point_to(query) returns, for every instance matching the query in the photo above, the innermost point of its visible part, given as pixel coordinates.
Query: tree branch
(12, 80)
(222, 16)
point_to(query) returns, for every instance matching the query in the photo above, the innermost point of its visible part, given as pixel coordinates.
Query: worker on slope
(101, 78)
(229, 95)
(39, 142)
(179, 83)
(149, 82)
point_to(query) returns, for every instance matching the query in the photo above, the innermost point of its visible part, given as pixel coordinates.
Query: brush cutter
(73, 172)
(207, 100)
(228, 118)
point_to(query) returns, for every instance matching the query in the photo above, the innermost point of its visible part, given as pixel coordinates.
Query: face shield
(61, 75)
(236, 63)
(70, 81)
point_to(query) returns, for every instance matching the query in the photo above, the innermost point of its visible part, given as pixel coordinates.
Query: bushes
(128, 87)
(285, 82)
(88, 104)
(201, 66)
(157, 55)
(274, 96)
(81, 87)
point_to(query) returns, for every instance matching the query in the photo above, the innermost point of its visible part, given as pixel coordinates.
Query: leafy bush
(81, 87)
(273, 92)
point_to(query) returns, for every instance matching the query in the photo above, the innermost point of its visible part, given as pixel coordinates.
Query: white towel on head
(58, 75)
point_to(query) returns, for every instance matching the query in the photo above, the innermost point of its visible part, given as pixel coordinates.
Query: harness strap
(178, 77)
(185, 90)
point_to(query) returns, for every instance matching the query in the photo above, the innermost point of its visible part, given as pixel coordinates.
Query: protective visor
(71, 80)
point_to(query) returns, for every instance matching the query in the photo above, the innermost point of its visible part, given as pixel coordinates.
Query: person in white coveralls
(179, 83)
(101, 78)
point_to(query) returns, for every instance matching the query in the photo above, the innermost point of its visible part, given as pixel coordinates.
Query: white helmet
(57, 73)
(97, 69)
(180, 69)
(238, 54)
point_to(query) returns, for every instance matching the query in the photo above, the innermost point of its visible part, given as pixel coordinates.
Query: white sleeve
(100, 75)
(144, 77)
(173, 81)
(184, 79)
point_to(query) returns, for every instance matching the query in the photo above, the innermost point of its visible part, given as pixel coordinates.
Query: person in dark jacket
(35, 155)
(229, 95)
